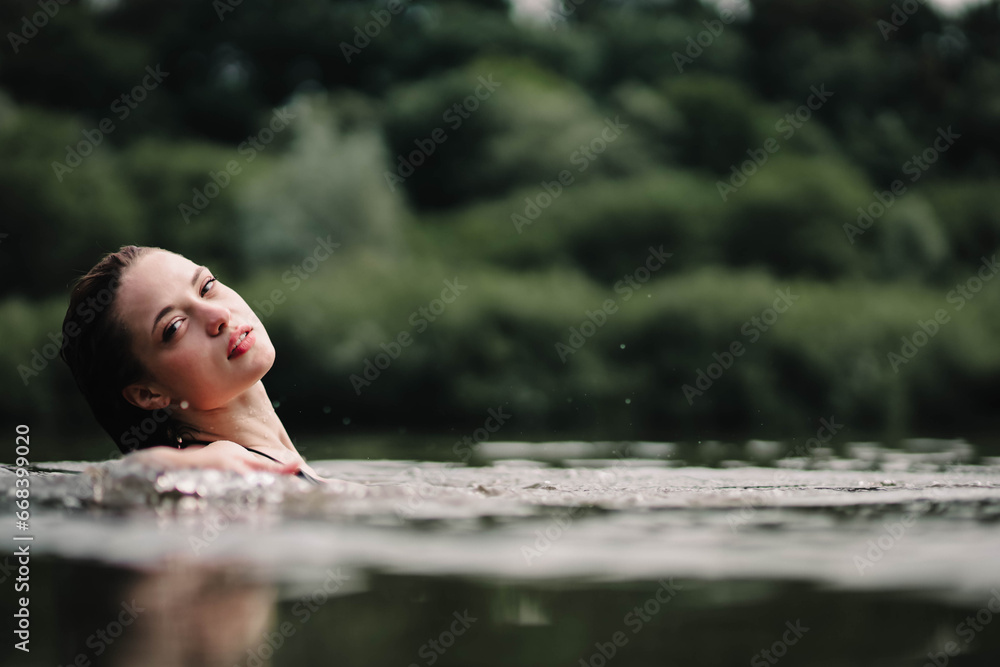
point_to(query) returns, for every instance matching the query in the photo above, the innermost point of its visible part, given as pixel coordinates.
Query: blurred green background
(694, 97)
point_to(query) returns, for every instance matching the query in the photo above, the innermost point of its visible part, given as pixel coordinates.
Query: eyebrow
(167, 309)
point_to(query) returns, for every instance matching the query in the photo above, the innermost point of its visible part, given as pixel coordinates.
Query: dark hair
(97, 347)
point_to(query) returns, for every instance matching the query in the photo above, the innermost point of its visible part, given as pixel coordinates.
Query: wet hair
(97, 347)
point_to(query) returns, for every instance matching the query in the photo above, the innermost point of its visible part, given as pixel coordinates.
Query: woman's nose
(217, 319)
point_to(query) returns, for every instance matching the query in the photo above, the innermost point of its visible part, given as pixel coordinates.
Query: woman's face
(185, 328)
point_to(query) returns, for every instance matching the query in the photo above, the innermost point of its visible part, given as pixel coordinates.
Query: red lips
(238, 347)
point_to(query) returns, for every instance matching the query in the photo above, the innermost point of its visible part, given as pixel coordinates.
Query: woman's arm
(221, 454)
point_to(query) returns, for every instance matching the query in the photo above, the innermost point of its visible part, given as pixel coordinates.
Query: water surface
(584, 551)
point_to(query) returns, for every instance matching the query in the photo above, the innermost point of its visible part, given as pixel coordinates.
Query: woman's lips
(243, 346)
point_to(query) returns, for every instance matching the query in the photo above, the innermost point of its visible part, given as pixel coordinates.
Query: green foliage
(523, 195)
(166, 176)
(721, 120)
(329, 182)
(789, 218)
(61, 219)
(496, 345)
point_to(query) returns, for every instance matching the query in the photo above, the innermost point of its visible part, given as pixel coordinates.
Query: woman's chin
(264, 359)
(256, 367)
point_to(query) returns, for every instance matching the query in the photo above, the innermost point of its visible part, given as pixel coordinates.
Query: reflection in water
(183, 615)
(194, 615)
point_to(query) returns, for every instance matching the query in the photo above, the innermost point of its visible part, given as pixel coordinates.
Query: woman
(170, 361)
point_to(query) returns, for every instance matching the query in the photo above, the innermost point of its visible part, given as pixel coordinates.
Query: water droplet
(628, 401)
(327, 409)
(184, 405)
(347, 420)
(622, 346)
(276, 404)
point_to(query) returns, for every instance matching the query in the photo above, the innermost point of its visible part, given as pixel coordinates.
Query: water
(585, 553)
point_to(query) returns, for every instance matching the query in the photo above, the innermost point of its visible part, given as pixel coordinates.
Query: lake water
(532, 554)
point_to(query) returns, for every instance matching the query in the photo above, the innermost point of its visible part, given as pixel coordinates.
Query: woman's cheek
(188, 365)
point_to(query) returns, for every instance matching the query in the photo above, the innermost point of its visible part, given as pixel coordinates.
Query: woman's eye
(170, 330)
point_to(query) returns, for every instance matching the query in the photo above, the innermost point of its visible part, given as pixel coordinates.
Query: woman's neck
(249, 419)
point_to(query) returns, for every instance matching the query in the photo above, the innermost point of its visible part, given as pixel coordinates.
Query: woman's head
(149, 334)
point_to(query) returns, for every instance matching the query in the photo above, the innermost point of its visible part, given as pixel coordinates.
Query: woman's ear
(142, 396)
